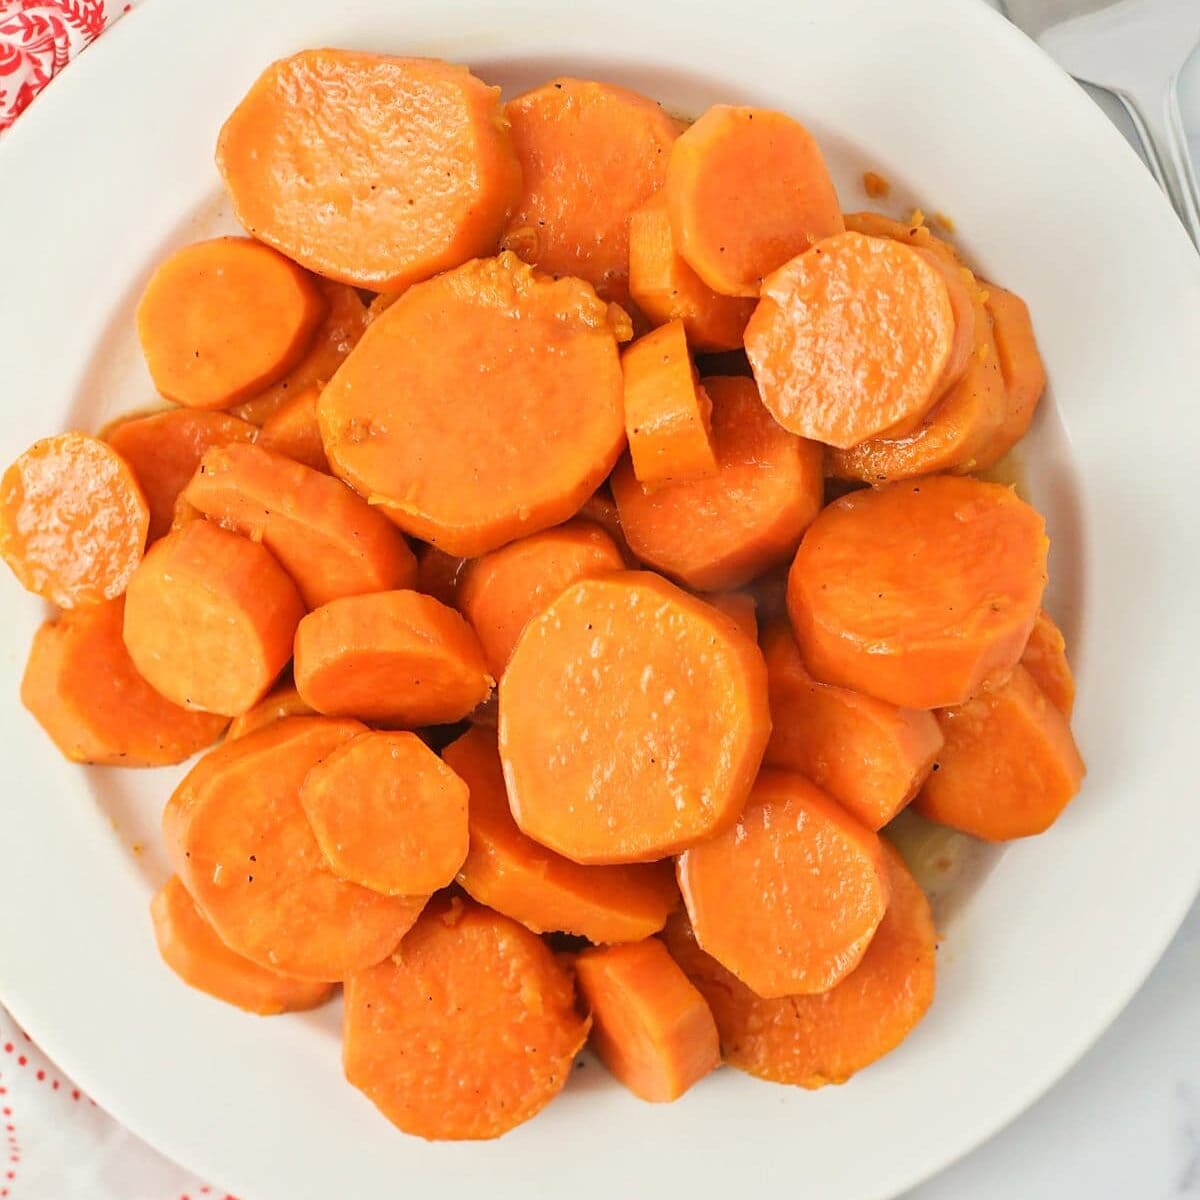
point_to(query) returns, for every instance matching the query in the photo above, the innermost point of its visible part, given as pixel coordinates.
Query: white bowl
(114, 164)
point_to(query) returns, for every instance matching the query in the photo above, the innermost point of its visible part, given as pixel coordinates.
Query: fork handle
(1160, 127)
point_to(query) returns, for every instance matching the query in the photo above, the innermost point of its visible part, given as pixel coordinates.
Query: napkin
(38, 38)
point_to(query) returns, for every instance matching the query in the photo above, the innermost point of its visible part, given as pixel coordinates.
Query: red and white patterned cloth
(55, 1144)
(38, 38)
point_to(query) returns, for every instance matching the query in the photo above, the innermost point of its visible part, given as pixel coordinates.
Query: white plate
(114, 163)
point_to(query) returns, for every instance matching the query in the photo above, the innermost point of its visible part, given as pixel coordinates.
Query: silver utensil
(1134, 49)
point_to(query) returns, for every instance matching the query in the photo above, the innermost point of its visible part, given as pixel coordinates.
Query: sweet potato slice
(547, 893)
(467, 1030)
(810, 1041)
(209, 619)
(870, 756)
(396, 658)
(721, 532)
(222, 319)
(668, 415)
(73, 520)
(790, 897)
(747, 189)
(666, 289)
(371, 170)
(164, 449)
(388, 814)
(853, 338)
(284, 701)
(83, 689)
(964, 292)
(238, 838)
(1021, 367)
(953, 437)
(500, 592)
(917, 592)
(191, 948)
(1009, 765)
(506, 430)
(330, 541)
(293, 431)
(338, 333)
(650, 1026)
(590, 154)
(633, 718)
(1045, 658)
